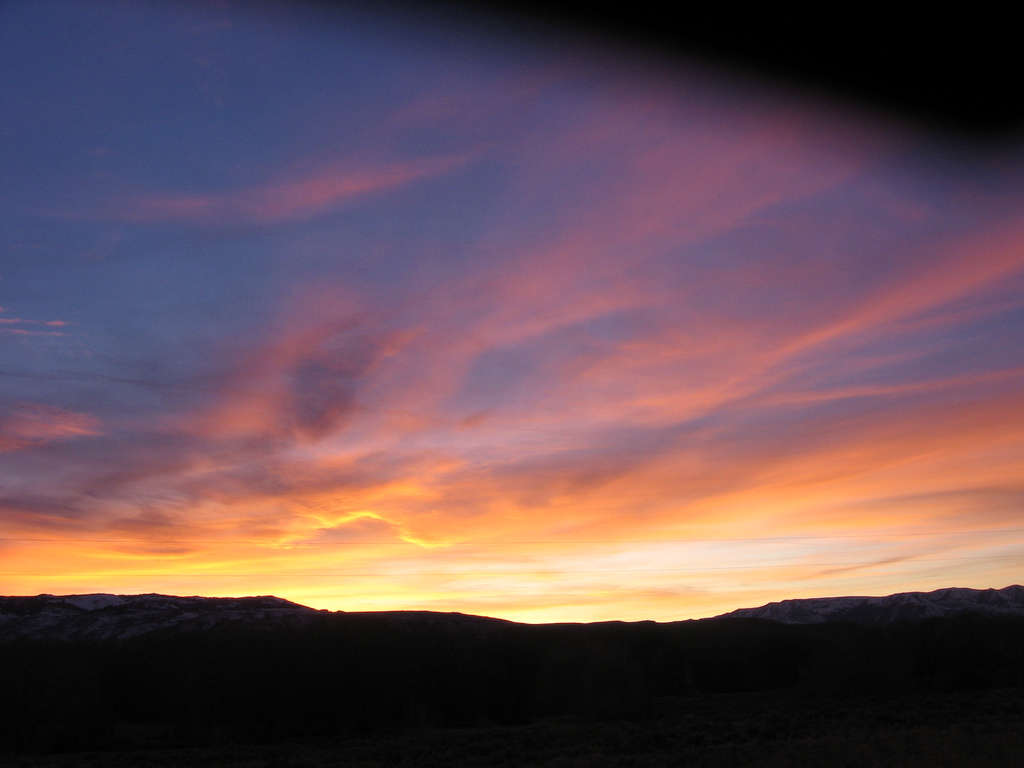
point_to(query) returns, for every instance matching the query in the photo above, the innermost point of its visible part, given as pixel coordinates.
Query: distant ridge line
(105, 616)
(901, 606)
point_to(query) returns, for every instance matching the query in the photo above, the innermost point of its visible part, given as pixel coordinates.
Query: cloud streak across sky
(550, 336)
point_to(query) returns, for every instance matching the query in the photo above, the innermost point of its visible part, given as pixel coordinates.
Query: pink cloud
(282, 200)
(670, 184)
(30, 424)
(23, 332)
(954, 270)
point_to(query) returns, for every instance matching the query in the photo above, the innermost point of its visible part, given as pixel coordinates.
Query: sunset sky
(383, 311)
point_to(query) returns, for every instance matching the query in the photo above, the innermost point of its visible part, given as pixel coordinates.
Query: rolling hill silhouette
(119, 617)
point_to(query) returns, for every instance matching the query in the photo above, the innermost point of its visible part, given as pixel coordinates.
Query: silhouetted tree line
(352, 674)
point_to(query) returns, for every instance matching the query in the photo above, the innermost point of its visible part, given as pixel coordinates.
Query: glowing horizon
(370, 317)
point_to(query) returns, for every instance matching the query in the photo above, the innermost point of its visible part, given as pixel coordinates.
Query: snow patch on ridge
(905, 606)
(93, 602)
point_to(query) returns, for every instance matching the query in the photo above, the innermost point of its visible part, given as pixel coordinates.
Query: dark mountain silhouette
(905, 606)
(110, 672)
(119, 617)
(104, 617)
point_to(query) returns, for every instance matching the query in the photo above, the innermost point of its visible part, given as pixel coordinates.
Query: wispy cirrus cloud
(292, 198)
(28, 332)
(31, 424)
(20, 328)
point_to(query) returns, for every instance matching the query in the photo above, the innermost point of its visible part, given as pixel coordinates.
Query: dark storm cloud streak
(156, 383)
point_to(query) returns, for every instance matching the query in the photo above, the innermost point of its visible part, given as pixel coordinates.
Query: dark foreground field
(978, 728)
(371, 690)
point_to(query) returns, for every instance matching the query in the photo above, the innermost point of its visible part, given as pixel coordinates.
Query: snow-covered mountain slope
(112, 617)
(104, 617)
(905, 606)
